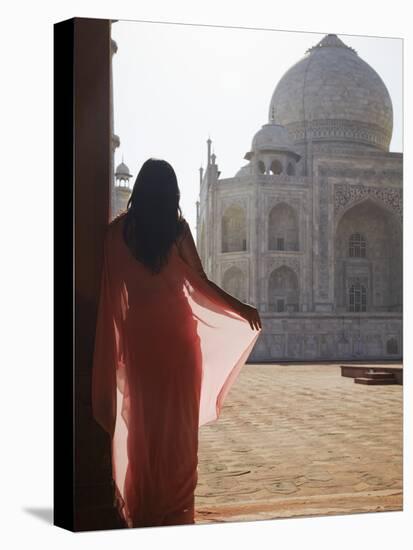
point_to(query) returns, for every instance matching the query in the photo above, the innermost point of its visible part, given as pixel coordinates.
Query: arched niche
(283, 290)
(290, 169)
(233, 282)
(392, 347)
(234, 230)
(283, 228)
(261, 167)
(368, 259)
(276, 167)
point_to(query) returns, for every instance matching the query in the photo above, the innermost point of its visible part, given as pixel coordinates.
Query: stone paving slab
(300, 440)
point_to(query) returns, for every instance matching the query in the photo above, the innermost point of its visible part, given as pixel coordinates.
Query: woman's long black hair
(153, 218)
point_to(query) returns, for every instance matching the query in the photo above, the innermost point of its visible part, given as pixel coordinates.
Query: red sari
(167, 350)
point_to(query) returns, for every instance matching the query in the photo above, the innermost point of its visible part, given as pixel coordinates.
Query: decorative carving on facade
(346, 194)
(339, 129)
(275, 200)
(235, 200)
(383, 175)
(357, 280)
(349, 149)
(235, 278)
(275, 263)
(241, 264)
(271, 179)
(323, 270)
(305, 293)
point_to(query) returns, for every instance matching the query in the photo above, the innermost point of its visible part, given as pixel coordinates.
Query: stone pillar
(94, 165)
(323, 240)
(115, 139)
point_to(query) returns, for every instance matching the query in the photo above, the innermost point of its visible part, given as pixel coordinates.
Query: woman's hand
(251, 314)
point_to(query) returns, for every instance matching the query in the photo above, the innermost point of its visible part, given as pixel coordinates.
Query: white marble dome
(122, 171)
(331, 94)
(244, 171)
(272, 136)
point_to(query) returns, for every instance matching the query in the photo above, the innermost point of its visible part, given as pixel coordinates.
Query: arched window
(290, 169)
(234, 230)
(283, 293)
(391, 346)
(276, 167)
(357, 246)
(357, 297)
(261, 167)
(233, 282)
(283, 228)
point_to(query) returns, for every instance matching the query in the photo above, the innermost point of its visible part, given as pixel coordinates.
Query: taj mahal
(309, 230)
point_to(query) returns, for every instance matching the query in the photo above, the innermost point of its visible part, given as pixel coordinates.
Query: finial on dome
(330, 41)
(272, 114)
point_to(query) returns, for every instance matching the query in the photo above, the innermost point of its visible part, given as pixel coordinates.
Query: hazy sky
(175, 85)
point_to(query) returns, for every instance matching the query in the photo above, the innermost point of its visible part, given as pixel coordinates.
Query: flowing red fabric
(167, 350)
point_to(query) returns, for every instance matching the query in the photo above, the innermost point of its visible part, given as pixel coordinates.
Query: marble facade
(310, 230)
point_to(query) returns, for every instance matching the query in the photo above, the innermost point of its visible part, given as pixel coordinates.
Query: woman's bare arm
(189, 253)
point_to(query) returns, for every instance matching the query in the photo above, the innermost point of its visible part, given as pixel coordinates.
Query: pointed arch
(392, 347)
(233, 281)
(283, 290)
(283, 231)
(276, 167)
(261, 167)
(234, 229)
(368, 248)
(290, 169)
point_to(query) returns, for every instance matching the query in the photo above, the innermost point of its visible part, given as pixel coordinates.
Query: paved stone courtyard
(300, 440)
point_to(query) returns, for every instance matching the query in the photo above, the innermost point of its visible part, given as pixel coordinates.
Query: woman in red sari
(169, 344)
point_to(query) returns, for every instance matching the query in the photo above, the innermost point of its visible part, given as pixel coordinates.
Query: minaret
(201, 176)
(209, 151)
(215, 173)
(122, 175)
(122, 190)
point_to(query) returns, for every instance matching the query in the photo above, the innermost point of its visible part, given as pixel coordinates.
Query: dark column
(86, 158)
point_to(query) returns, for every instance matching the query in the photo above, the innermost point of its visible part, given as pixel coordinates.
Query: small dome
(272, 137)
(122, 171)
(244, 171)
